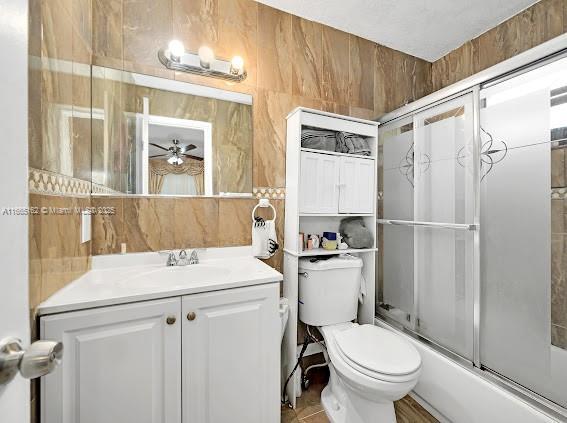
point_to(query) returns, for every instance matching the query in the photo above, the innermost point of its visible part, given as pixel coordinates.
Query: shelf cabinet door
(356, 193)
(121, 364)
(319, 183)
(231, 355)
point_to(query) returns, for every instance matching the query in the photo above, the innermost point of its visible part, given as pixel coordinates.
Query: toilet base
(355, 409)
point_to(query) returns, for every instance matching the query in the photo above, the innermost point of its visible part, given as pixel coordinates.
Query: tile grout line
(311, 415)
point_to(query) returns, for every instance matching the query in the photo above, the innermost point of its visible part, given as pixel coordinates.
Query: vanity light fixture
(203, 63)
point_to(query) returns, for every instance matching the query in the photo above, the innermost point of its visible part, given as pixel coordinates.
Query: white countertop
(120, 279)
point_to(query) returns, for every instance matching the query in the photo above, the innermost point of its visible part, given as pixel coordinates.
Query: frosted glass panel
(522, 121)
(444, 273)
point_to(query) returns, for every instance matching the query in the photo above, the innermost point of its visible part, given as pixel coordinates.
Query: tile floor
(309, 409)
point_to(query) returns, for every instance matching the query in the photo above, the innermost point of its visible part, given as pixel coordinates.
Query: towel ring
(264, 202)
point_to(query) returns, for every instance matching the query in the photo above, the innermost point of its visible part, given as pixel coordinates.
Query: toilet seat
(373, 352)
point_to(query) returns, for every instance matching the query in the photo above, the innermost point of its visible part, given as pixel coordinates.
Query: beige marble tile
(57, 29)
(154, 224)
(362, 113)
(270, 110)
(333, 107)
(558, 216)
(335, 70)
(107, 227)
(456, 65)
(274, 49)
(307, 58)
(361, 72)
(533, 26)
(107, 33)
(558, 168)
(196, 23)
(63, 257)
(238, 34)
(559, 336)
(235, 221)
(35, 263)
(559, 279)
(147, 27)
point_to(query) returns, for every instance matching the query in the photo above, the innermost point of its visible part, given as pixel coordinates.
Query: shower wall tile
(274, 49)
(559, 279)
(56, 29)
(541, 22)
(361, 72)
(559, 336)
(535, 25)
(334, 107)
(307, 58)
(335, 65)
(362, 113)
(458, 64)
(558, 168)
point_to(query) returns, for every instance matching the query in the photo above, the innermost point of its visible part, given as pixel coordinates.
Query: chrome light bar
(192, 63)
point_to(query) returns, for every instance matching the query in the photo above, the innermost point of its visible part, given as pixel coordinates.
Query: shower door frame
(541, 55)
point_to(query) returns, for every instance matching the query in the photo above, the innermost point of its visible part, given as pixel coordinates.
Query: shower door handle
(457, 226)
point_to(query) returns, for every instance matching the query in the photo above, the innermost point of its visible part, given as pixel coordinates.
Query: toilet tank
(328, 290)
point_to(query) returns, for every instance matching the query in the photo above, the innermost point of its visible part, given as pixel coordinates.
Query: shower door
(523, 332)
(428, 223)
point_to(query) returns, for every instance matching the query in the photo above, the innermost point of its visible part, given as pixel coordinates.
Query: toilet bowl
(370, 367)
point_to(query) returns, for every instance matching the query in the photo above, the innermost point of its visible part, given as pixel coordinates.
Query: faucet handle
(171, 259)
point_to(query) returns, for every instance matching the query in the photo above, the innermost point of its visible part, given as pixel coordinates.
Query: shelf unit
(313, 221)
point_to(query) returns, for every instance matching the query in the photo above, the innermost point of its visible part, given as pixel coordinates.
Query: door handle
(41, 358)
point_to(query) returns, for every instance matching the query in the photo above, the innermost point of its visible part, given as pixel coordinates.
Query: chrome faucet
(171, 259)
(181, 259)
(194, 259)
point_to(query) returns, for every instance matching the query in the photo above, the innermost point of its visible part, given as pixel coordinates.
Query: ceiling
(163, 135)
(427, 29)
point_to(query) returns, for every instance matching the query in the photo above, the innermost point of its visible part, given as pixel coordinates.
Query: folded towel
(352, 144)
(318, 139)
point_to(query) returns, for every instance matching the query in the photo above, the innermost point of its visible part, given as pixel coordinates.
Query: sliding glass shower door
(523, 332)
(428, 218)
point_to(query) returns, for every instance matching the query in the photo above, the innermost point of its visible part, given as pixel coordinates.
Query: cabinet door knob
(170, 320)
(191, 316)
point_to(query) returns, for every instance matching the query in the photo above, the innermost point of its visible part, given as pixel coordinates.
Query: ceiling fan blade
(189, 147)
(191, 157)
(159, 155)
(159, 146)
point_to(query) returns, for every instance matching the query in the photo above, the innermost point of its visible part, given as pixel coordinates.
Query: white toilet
(370, 367)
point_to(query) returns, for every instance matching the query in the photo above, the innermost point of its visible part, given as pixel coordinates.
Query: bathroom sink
(176, 276)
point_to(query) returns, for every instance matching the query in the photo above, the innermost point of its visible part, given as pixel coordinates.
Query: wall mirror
(156, 136)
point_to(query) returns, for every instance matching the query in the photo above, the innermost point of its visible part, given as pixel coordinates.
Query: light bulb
(237, 65)
(174, 160)
(176, 49)
(206, 56)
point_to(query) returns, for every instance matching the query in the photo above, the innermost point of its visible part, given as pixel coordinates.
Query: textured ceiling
(428, 29)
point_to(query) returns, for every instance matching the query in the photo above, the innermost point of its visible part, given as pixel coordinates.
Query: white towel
(261, 237)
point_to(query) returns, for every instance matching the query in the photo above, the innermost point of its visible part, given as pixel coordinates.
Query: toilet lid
(378, 350)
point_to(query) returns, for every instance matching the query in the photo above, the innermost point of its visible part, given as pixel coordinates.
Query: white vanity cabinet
(120, 364)
(331, 184)
(202, 358)
(231, 356)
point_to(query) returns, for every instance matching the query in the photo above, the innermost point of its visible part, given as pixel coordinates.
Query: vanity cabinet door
(121, 364)
(356, 193)
(319, 183)
(231, 356)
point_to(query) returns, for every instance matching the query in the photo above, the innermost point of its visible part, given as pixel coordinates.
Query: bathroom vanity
(149, 343)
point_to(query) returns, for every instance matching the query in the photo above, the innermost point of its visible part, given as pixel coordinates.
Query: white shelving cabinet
(322, 188)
